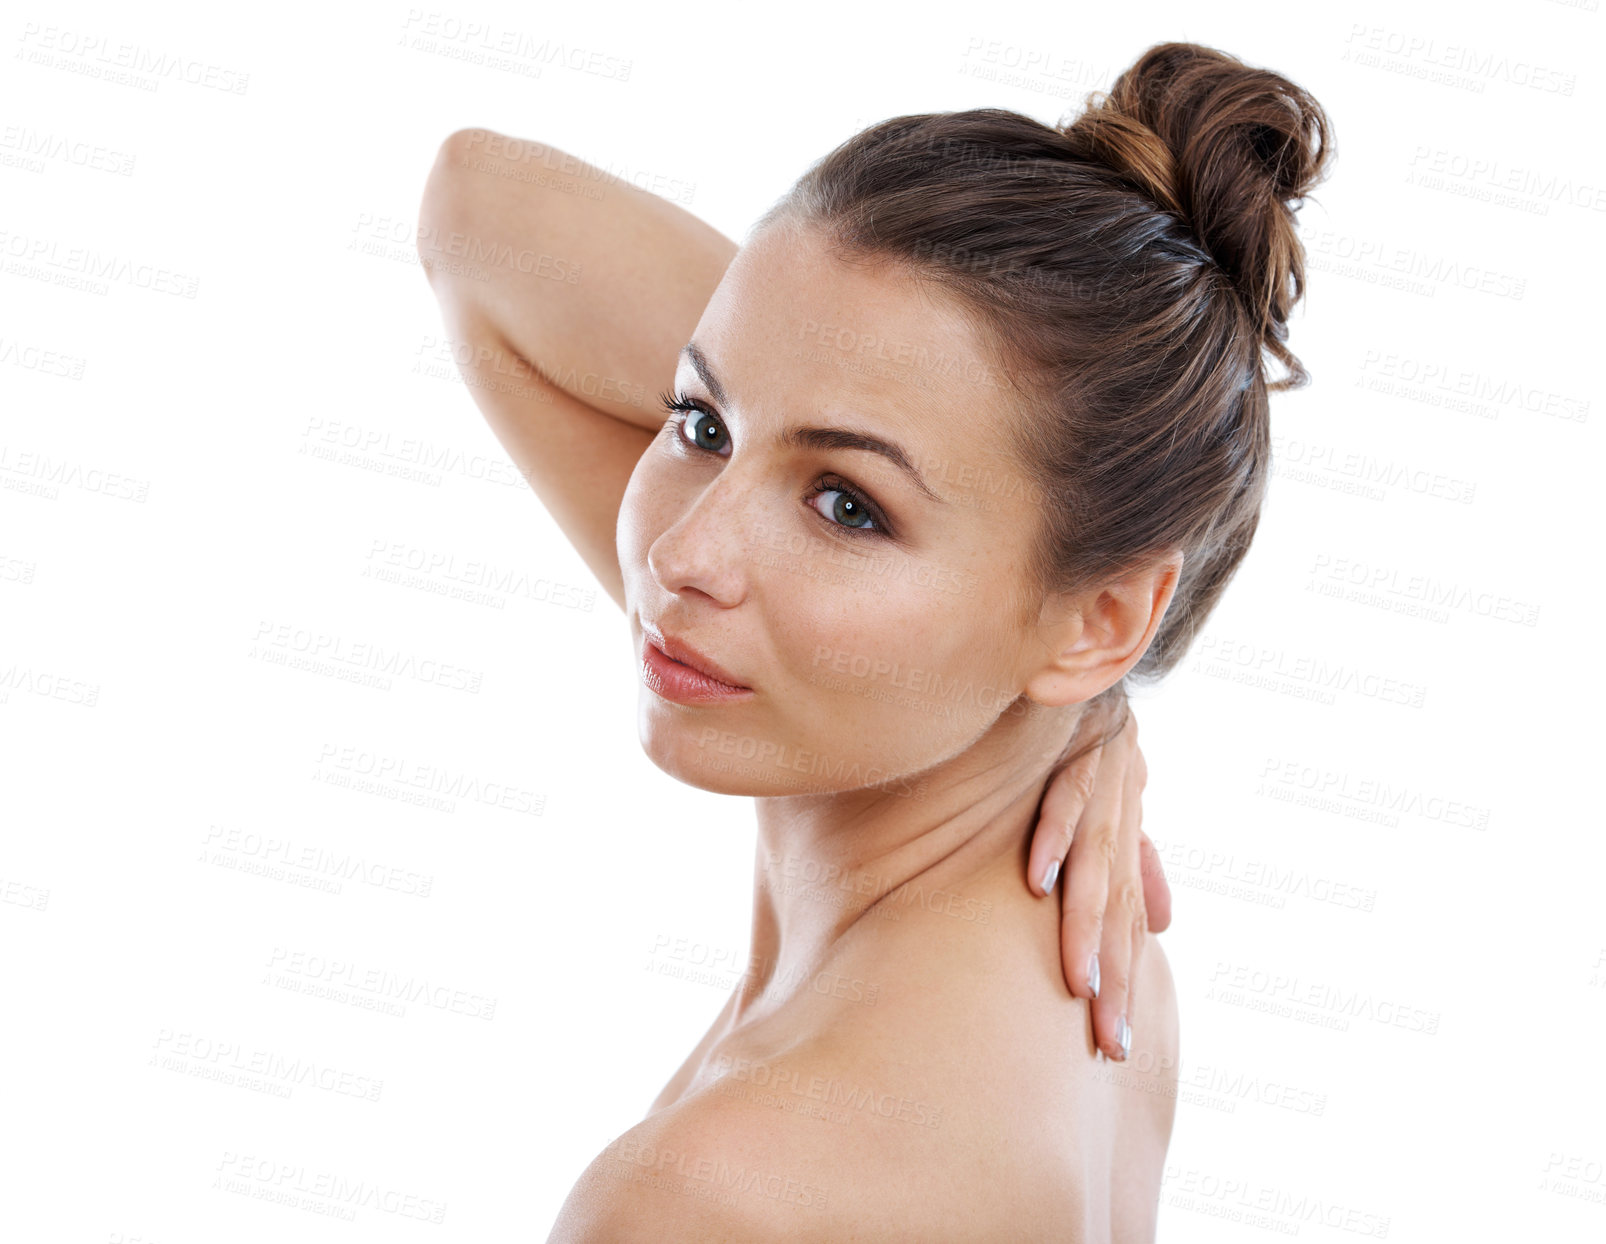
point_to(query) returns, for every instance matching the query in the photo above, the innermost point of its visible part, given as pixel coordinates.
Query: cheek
(906, 669)
(648, 508)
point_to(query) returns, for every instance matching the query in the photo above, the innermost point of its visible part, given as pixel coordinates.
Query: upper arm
(568, 294)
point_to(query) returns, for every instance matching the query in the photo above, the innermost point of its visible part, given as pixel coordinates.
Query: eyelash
(680, 407)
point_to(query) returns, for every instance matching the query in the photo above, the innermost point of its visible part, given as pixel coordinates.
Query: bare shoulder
(704, 1169)
(1163, 1047)
(1145, 1096)
(828, 1145)
(929, 1121)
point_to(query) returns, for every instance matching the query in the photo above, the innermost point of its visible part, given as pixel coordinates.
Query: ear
(1092, 639)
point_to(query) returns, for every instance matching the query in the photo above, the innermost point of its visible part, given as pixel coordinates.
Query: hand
(1114, 890)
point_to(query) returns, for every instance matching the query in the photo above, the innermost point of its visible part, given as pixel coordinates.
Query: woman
(970, 430)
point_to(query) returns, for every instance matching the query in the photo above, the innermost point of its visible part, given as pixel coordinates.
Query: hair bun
(1228, 148)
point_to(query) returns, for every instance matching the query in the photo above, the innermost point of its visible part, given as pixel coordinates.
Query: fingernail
(1123, 1034)
(1093, 973)
(1050, 875)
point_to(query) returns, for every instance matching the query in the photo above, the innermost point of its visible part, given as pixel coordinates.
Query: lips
(679, 650)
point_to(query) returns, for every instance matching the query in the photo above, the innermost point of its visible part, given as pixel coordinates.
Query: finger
(1061, 809)
(1085, 893)
(1124, 920)
(1140, 938)
(1156, 891)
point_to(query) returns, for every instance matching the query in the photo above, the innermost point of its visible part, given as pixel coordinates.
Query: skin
(823, 596)
(734, 551)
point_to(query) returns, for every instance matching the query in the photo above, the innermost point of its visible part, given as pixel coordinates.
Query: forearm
(567, 312)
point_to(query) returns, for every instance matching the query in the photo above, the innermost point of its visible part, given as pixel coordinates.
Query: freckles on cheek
(843, 632)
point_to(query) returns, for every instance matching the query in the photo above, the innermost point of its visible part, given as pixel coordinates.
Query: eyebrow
(798, 437)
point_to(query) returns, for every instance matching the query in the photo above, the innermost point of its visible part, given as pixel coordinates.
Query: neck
(956, 833)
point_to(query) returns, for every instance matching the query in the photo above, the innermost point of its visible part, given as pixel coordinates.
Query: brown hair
(1130, 269)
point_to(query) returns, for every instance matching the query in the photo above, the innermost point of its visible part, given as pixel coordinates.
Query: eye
(694, 423)
(849, 510)
(706, 424)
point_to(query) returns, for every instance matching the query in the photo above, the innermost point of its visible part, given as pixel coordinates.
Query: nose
(708, 549)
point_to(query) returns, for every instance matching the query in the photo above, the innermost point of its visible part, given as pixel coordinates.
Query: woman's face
(881, 626)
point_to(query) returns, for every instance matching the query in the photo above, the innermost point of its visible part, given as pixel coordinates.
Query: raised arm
(567, 294)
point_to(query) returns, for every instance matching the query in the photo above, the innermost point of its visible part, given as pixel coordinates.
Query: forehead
(863, 337)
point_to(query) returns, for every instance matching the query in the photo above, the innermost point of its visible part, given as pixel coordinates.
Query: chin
(725, 757)
(709, 778)
(694, 747)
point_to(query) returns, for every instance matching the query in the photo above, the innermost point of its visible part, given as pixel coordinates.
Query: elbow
(462, 146)
(446, 190)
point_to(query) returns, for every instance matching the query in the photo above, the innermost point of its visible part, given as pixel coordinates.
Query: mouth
(682, 653)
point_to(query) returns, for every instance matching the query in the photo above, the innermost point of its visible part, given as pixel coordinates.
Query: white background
(1368, 784)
